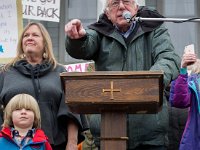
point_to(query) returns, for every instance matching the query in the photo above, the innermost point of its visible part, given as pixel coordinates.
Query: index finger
(76, 22)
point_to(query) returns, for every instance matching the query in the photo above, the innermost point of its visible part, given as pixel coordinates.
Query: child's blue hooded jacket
(38, 142)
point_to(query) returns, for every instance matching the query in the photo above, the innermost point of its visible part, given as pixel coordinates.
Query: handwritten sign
(9, 27)
(47, 10)
(80, 67)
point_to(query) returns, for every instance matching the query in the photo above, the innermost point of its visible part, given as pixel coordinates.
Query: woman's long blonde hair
(48, 47)
(18, 102)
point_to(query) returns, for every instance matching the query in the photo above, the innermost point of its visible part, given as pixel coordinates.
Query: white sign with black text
(8, 29)
(47, 10)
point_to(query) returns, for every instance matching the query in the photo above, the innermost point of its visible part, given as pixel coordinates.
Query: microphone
(127, 16)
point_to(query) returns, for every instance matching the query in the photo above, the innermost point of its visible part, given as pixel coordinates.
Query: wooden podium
(113, 94)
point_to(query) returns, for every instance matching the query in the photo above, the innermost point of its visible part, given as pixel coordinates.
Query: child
(185, 92)
(21, 127)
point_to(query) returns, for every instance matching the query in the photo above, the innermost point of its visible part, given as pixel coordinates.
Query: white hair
(106, 4)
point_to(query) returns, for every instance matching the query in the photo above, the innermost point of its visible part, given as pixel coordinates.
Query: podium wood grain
(113, 94)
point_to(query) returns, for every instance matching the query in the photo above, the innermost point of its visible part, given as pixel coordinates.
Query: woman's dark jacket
(148, 47)
(44, 83)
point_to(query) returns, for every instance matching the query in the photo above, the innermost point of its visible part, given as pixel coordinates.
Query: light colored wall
(182, 34)
(141, 2)
(100, 6)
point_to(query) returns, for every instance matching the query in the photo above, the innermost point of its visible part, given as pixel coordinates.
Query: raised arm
(180, 92)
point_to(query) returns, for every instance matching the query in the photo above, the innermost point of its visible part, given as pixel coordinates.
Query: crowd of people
(30, 82)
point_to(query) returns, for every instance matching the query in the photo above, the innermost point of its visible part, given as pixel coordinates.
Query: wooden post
(113, 138)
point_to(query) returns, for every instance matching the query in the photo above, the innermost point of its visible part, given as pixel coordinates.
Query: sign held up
(47, 10)
(10, 25)
(80, 67)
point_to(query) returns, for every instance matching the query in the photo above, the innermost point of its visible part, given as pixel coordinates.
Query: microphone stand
(175, 20)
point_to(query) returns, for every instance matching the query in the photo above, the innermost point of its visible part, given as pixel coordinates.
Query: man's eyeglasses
(116, 3)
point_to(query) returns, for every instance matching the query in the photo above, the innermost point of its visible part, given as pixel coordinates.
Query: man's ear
(136, 7)
(107, 13)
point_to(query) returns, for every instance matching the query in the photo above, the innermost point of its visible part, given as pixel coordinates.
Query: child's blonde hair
(18, 102)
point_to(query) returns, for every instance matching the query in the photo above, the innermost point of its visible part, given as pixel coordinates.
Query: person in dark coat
(35, 71)
(116, 44)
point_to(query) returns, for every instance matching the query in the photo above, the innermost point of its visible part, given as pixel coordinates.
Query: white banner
(47, 10)
(8, 29)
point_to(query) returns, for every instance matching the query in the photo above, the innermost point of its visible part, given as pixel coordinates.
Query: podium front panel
(131, 92)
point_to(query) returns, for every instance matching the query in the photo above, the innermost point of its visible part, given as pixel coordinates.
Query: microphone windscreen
(127, 15)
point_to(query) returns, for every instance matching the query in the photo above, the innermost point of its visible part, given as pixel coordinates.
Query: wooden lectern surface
(113, 94)
(126, 91)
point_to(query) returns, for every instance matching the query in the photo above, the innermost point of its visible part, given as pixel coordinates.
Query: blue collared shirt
(21, 141)
(129, 31)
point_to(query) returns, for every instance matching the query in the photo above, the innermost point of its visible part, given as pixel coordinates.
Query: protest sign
(10, 27)
(80, 67)
(47, 10)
